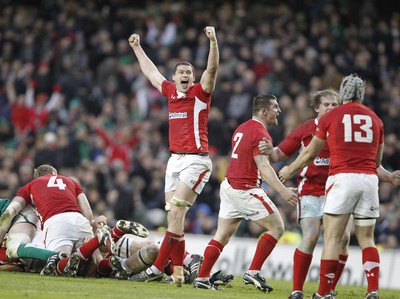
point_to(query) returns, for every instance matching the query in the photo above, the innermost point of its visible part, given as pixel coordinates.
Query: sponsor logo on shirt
(318, 161)
(176, 115)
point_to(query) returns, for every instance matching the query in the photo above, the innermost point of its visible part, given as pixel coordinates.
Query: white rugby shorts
(355, 193)
(193, 170)
(310, 206)
(130, 244)
(252, 204)
(66, 229)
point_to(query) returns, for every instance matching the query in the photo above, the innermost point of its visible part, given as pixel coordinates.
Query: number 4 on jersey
(57, 183)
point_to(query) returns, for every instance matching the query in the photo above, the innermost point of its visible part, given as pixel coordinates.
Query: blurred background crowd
(72, 94)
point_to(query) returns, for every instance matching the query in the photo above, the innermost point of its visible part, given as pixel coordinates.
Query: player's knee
(310, 241)
(181, 203)
(363, 221)
(14, 241)
(277, 231)
(148, 254)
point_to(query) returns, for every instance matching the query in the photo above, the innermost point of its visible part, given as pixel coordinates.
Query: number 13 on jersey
(364, 134)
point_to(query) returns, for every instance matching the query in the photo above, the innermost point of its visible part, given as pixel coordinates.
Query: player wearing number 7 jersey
(354, 134)
(189, 166)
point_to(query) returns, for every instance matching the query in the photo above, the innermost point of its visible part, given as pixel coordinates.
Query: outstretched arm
(305, 157)
(389, 177)
(268, 175)
(209, 77)
(146, 65)
(16, 206)
(275, 154)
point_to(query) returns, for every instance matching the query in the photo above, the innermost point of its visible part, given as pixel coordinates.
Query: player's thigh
(272, 223)
(335, 226)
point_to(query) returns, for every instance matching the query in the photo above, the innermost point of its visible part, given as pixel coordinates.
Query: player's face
(327, 103)
(183, 78)
(273, 112)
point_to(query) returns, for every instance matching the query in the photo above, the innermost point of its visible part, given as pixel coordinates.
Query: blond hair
(43, 170)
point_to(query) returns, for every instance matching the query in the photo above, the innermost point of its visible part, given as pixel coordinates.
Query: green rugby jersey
(4, 203)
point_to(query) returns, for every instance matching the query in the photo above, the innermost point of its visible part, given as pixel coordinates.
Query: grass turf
(25, 285)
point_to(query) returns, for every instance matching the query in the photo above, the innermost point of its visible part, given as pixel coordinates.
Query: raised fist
(134, 40)
(210, 32)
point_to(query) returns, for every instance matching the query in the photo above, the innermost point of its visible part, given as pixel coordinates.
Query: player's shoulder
(309, 124)
(253, 125)
(168, 86)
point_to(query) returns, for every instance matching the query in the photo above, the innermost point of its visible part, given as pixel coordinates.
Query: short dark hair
(183, 63)
(43, 170)
(262, 101)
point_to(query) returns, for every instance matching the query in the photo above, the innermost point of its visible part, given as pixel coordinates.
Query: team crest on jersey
(318, 161)
(176, 115)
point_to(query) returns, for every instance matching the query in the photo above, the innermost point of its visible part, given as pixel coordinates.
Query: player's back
(354, 133)
(52, 194)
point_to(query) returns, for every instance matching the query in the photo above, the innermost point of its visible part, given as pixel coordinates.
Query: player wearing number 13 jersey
(354, 134)
(354, 141)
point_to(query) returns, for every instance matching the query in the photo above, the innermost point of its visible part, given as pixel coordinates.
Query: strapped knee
(180, 202)
(13, 242)
(148, 254)
(360, 220)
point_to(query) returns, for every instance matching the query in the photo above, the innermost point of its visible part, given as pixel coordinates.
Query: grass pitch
(25, 285)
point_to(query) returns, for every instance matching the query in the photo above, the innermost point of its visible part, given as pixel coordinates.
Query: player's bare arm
(146, 65)
(266, 147)
(379, 155)
(16, 206)
(275, 154)
(389, 177)
(268, 175)
(84, 205)
(303, 159)
(209, 77)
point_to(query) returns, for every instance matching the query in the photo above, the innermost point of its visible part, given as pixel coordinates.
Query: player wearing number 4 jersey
(354, 134)
(189, 166)
(62, 206)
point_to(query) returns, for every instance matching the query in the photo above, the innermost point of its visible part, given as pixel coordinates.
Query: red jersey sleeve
(25, 194)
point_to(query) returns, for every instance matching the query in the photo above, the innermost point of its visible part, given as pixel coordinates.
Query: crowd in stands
(72, 94)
